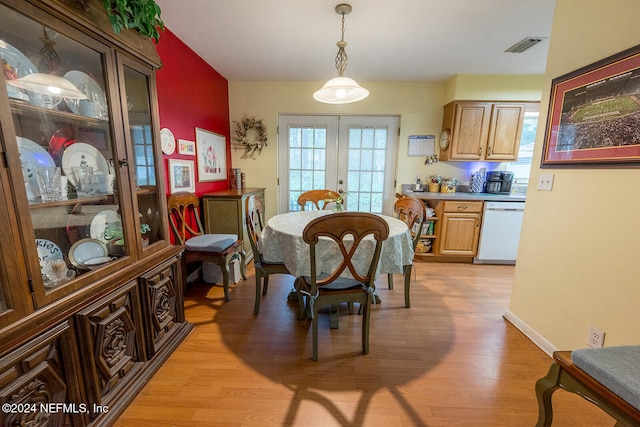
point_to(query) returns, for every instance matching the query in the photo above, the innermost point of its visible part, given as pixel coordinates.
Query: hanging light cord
(341, 57)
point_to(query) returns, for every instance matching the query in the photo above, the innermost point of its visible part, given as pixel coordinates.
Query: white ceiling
(392, 40)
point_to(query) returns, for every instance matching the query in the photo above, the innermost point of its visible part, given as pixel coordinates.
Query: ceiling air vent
(524, 44)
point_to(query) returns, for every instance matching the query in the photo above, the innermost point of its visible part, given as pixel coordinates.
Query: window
(143, 146)
(522, 168)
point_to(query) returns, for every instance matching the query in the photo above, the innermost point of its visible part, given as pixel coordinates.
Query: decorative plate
(168, 141)
(32, 156)
(18, 66)
(86, 249)
(79, 152)
(96, 105)
(101, 221)
(47, 251)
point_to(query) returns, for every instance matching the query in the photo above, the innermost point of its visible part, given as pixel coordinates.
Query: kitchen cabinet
(456, 229)
(224, 212)
(92, 260)
(460, 227)
(474, 130)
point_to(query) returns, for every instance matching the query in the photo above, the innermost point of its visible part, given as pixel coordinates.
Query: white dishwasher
(500, 233)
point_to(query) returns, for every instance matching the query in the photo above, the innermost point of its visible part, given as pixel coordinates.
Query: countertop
(466, 196)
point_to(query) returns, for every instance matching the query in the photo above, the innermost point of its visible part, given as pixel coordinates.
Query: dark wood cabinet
(91, 289)
(224, 212)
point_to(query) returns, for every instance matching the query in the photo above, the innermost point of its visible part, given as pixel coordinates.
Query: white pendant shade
(48, 84)
(341, 90)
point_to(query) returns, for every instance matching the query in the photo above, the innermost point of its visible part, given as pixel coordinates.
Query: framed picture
(186, 147)
(212, 156)
(181, 176)
(594, 115)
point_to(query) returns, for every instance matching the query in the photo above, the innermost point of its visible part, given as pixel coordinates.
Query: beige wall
(419, 106)
(494, 87)
(578, 261)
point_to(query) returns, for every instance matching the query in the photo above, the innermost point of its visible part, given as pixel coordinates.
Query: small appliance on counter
(499, 182)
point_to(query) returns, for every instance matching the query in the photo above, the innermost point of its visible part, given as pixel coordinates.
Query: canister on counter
(434, 183)
(448, 185)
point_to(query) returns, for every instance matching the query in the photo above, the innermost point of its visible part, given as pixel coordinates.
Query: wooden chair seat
(184, 218)
(565, 374)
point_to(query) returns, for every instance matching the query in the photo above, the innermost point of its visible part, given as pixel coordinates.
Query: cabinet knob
(123, 163)
(462, 207)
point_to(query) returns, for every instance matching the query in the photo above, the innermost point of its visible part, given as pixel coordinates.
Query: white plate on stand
(96, 105)
(100, 222)
(79, 152)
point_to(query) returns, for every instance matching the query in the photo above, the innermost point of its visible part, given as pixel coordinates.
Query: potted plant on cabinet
(140, 15)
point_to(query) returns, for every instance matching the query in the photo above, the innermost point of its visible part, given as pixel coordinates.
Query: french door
(356, 154)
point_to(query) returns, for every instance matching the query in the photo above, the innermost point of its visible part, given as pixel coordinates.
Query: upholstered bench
(608, 377)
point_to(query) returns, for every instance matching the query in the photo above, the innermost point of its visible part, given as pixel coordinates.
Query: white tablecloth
(281, 241)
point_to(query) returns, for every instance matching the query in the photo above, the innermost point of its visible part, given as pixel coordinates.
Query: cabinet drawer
(462, 206)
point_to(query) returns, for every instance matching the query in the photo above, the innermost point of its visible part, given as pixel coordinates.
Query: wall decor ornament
(252, 147)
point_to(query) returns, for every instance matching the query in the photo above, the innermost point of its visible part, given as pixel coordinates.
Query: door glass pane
(307, 167)
(146, 171)
(58, 101)
(366, 168)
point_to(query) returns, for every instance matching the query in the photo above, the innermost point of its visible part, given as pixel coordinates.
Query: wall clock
(167, 141)
(445, 139)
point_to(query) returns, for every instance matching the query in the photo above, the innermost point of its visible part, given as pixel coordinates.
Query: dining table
(282, 241)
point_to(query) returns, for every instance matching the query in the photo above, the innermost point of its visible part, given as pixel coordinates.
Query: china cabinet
(90, 286)
(475, 130)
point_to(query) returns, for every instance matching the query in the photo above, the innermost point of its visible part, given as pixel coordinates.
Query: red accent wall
(191, 94)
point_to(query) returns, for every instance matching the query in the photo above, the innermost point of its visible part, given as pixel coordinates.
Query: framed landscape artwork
(181, 176)
(212, 156)
(594, 115)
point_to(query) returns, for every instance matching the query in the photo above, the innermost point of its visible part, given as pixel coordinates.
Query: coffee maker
(499, 182)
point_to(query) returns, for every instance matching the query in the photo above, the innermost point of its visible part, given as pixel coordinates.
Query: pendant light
(341, 89)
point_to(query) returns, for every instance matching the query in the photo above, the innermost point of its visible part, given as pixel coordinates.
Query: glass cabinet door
(63, 157)
(136, 87)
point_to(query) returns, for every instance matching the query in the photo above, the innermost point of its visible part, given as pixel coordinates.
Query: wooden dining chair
(321, 288)
(607, 376)
(254, 211)
(184, 217)
(320, 199)
(412, 212)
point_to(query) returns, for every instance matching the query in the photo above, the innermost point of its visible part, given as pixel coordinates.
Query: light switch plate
(545, 181)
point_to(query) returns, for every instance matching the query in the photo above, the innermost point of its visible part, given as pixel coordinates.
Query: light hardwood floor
(449, 360)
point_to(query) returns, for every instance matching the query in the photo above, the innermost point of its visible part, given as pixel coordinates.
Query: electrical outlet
(596, 337)
(545, 181)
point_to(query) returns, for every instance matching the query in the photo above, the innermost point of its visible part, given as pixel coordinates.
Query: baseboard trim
(530, 333)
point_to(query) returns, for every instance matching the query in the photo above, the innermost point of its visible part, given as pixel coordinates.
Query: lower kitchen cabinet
(460, 228)
(455, 230)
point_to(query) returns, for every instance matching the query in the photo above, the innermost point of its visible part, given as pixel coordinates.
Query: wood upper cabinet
(459, 228)
(482, 130)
